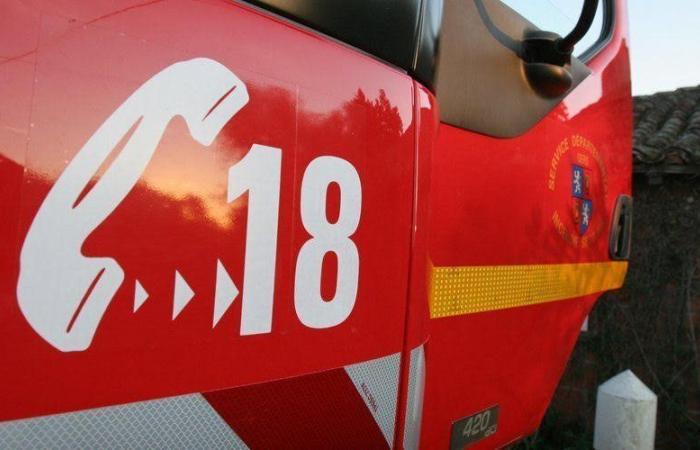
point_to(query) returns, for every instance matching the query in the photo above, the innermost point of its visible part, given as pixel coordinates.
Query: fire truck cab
(303, 224)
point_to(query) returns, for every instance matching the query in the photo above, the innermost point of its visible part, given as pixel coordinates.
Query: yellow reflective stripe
(472, 289)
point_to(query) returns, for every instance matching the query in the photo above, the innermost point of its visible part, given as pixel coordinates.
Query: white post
(625, 414)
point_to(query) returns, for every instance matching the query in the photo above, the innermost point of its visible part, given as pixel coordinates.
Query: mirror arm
(549, 48)
(547, 56)
(566, 44)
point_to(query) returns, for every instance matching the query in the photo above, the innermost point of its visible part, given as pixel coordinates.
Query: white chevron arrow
(182, 295)
(226, 292)
(140, 295)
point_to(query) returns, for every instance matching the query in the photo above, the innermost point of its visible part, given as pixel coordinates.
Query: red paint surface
(431, 193)
(69, 66)
(490, 205)
(317, 411)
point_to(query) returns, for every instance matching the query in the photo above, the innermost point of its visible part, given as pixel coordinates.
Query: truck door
(528, 183)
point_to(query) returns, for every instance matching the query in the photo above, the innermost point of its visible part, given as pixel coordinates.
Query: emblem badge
(578, 179)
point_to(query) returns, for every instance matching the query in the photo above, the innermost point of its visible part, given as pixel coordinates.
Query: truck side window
(481, 84)
(561, 16)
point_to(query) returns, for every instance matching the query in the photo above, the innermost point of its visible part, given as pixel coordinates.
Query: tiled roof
(667, 131)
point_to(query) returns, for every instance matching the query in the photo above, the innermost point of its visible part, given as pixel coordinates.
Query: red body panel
(431, 195)
(80, 64)
(490, 205)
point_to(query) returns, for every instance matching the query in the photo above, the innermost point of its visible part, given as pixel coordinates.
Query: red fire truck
(303, 223)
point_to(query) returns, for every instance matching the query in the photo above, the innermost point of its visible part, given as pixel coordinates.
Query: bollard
(625, 414)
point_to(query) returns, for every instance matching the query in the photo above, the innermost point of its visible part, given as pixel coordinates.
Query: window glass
(560, 16)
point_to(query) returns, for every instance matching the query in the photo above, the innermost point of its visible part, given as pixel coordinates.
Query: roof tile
(667, 128)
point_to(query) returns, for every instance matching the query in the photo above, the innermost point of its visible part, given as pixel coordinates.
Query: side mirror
(547, 56)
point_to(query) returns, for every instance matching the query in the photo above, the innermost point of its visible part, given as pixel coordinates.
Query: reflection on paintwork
(62, 294)
(176, 220)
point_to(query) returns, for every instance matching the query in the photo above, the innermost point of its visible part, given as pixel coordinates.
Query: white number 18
(258, 173)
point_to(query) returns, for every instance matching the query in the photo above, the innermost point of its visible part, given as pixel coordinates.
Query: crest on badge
(580, 193)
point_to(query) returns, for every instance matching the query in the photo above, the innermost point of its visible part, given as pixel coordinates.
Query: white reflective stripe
(414, 408)
(377, 382)
(178, 422)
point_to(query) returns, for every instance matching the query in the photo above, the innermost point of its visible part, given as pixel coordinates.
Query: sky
(664, 37)
(664, 44)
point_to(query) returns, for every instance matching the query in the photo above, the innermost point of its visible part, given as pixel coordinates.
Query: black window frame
(403, 33)
(606, 32)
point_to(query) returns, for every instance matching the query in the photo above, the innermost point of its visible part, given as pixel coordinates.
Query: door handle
(621, 231)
